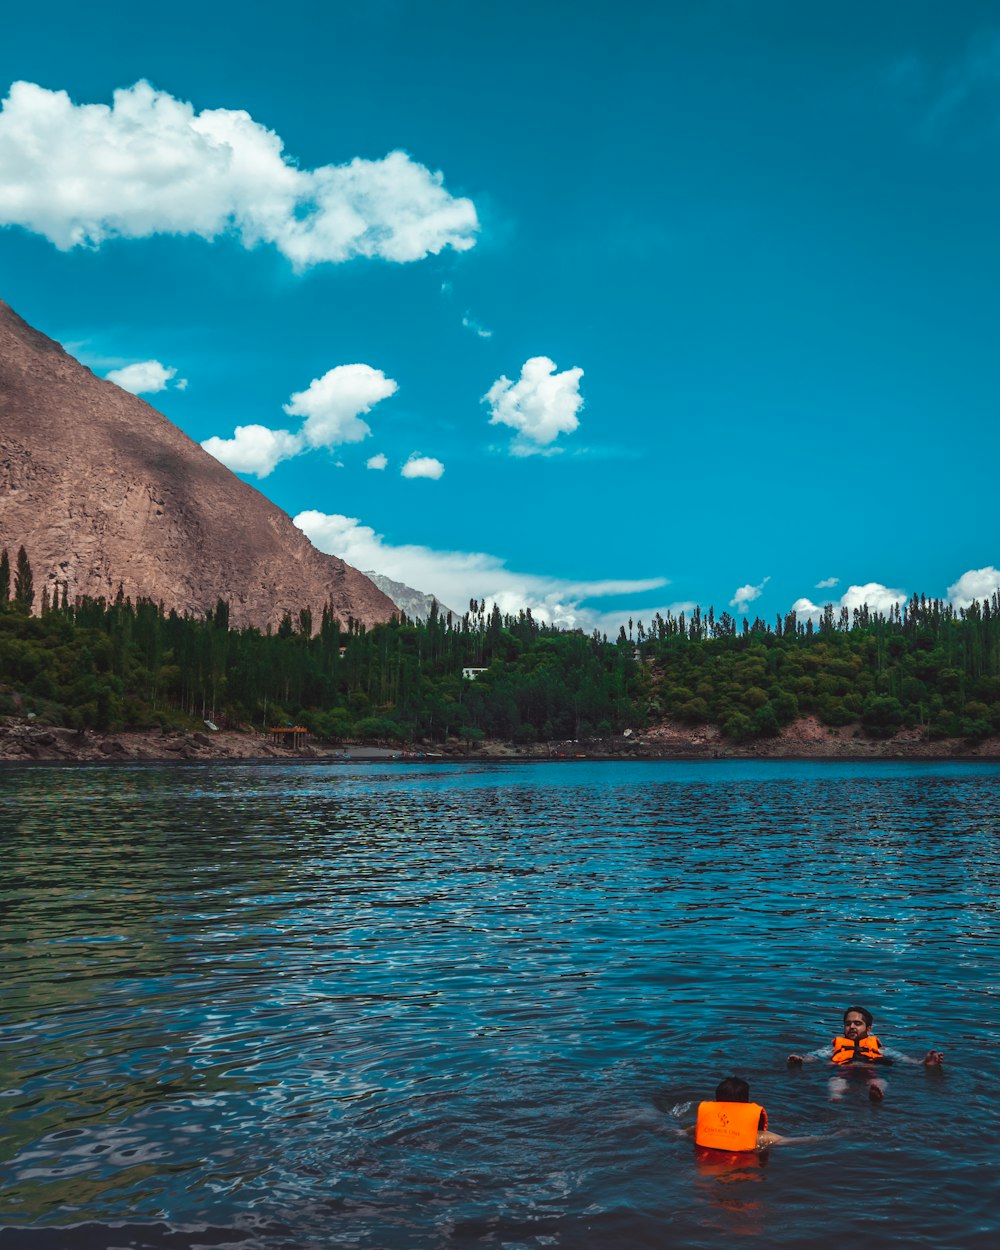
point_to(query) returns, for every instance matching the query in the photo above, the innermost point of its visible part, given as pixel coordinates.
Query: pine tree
(4, 579)
(24, 591)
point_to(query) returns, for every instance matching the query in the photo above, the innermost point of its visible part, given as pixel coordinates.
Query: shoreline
(24, 742)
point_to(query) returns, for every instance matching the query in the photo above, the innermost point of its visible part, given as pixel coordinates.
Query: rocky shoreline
(23, 741)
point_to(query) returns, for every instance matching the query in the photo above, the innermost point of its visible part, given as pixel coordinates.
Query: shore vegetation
(114, 665)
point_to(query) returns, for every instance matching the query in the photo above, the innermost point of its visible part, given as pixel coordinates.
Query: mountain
(104, 491)
(414, 603)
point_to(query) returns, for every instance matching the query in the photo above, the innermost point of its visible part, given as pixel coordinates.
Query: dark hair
(865, 1015)
(732, 1089)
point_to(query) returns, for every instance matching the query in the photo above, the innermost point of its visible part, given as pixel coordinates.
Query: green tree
(881, 716)
(24, 590)
(765, 722)
(738, 727)
(4, 579)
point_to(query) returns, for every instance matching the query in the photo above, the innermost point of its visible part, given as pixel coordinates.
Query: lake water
(472, 1005)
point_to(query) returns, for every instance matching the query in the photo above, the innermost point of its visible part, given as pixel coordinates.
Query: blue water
(473, 1005)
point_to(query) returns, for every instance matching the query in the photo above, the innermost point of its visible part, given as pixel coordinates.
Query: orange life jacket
(865, 1050)
(729, 1125)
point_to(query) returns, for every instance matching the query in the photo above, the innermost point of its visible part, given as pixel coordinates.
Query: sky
(600, 309)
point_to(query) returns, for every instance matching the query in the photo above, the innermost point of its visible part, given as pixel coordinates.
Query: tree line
(118, 664)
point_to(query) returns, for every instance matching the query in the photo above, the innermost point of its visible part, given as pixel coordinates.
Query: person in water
(732, 1123)
(857, 1044)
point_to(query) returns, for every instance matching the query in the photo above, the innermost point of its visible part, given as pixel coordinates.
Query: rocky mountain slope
(415, 603)
(103, 491)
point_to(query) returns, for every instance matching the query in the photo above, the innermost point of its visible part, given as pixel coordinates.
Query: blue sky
(655, 304)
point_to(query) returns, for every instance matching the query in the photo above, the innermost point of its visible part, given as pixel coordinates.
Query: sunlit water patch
(461, 1006)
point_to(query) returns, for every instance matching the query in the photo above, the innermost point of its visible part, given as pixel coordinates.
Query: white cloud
(149, 164)
(146, 378)
(455, 577)
(879, 598)
(827, 583)
(806, 608)
(472, 324)
(976, 584)
(540, 406)
(745, 595)
(422, 466)
(254, 449)
(332, 405)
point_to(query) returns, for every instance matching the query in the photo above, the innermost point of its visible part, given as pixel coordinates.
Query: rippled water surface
(471, 1006)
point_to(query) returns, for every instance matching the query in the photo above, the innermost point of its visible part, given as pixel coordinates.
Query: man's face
(854, 1026)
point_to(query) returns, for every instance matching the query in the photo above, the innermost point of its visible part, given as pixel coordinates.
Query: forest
(117, 665)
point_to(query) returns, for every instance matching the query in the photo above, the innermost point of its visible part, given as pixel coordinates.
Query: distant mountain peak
(415, 603)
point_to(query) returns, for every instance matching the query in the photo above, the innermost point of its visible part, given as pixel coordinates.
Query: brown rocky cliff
(104, 491)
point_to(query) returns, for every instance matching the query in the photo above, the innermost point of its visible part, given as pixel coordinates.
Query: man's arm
(765, 1138)
(824, 1052)
(933, 1058)
(775, 1139)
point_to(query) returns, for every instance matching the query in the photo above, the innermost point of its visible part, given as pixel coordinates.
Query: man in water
(858, 1044)
(732, 1123)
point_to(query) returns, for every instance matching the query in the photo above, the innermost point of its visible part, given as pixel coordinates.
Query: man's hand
(933, 1059)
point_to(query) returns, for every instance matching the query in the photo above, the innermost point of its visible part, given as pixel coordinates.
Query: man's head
(732, 1089)
(857, 1023)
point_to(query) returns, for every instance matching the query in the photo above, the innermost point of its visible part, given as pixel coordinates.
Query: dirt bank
(23, 740)
(808, 738)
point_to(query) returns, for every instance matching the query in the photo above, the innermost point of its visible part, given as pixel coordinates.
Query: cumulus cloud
(455, 577)
(422, 466)
(806, 608)
(146, 378)
(332, 405)
(254, 449)
(540, 406)
(745, 595)
(827, 583)
(976, 584)
(149, 164)
(879, 598)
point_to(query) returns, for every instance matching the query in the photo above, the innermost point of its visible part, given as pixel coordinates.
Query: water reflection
(459, 1006)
